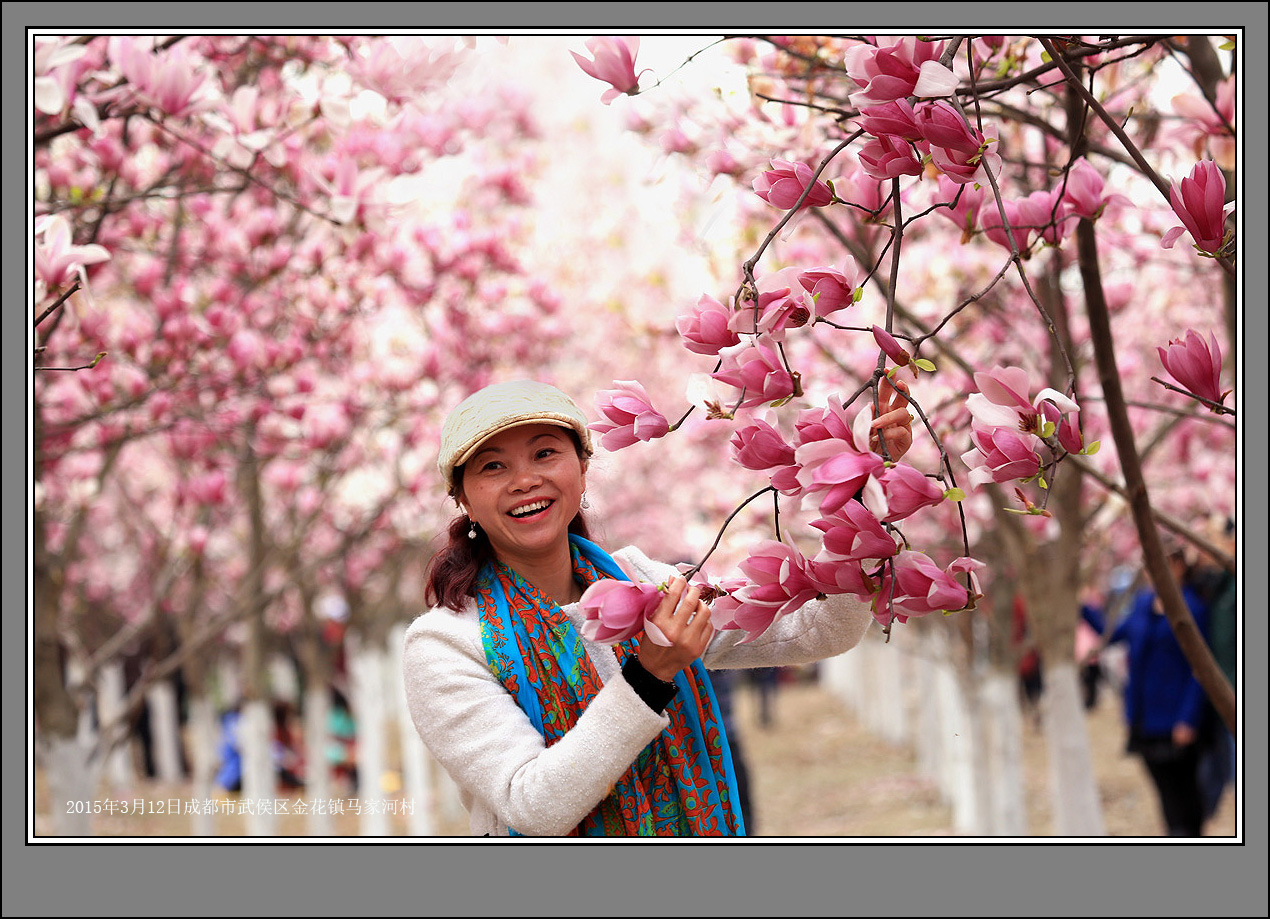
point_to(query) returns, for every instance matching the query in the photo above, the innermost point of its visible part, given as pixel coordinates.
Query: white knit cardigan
(505, 773)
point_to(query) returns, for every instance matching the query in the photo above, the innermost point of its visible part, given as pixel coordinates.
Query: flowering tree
(245, 324)
(975, 216)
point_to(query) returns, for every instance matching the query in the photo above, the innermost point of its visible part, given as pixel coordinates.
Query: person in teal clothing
(1164, 705)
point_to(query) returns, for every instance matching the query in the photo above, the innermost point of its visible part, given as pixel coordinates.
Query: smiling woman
(545, 730)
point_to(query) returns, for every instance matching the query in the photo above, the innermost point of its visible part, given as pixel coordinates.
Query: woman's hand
(894, 421)
(685, 621)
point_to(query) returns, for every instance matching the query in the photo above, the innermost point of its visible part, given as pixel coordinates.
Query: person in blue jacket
(1164, 705)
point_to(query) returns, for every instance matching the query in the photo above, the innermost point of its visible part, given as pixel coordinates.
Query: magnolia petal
(935, 80)
(656, 635)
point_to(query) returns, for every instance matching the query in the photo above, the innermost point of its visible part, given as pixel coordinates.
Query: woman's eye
(545, 452)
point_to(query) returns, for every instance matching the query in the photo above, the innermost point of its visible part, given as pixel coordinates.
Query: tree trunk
(72, 774)
(317, 772)
(366, 677)
(259, 785)
(202, 746)
(119, 769)
(417, 768)
(1003, 754)
(1074, 787)
(165, 731)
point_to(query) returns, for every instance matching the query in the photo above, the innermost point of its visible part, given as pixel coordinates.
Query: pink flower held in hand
(629, 416)
(616, 610)
(1199, 202)
(783, 184)
(1196, 365)
(614, 63)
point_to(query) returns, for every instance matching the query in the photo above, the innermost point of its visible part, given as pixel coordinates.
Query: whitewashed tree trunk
(72, 774)
(416, 763)
(317, 771)
(366, 676)
(203, 732)
(119, 770)
(165, 731)
(956, 775)
(259, 779)
(284, 680)
(1003, 745)
(1073, 783)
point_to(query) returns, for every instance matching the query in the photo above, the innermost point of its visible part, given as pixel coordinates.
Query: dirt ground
(814, 772)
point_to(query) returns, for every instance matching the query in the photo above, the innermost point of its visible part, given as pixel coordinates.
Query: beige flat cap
(498, 407)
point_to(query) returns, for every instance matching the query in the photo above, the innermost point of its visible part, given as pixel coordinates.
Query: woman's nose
(525, 477)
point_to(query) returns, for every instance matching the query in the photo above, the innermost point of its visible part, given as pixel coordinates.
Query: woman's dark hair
(450, 578)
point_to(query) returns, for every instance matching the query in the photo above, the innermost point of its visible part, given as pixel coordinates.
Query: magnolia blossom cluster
(1014, 435)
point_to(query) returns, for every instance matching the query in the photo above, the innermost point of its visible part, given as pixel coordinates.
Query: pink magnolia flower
(1001, 454)
(896, 119)
(891, 347)
(1196, 365)
(1042, 212)
(705, 328)
(1200, 203)
(173, 81)
(55, 259)
(834, 575)
(854, 532)
(941, 125)
(830, 289)
(614, 611)
(994, 229)
(904, 67)
(908, 490)
(837, 468)
(1083, 195)
(778, 584)
(886, 157)
(760, 446)
(775, 312)
(614, 63)
(964, 207)
(966, 167)
(783, 184)
(916, 586)
(629, 416)
(757, 370)
(1003, 400)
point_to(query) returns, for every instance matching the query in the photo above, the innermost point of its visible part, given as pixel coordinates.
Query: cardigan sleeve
(479, 735)
(817, 630)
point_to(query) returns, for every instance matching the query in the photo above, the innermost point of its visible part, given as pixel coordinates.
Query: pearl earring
(471, 530)
(585, 502)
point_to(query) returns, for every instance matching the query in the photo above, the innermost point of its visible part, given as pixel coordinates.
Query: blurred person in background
(1164, 705)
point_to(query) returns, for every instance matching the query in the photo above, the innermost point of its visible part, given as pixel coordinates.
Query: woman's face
(523, 486)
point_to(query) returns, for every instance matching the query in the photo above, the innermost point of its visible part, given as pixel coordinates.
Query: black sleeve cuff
(654, 692)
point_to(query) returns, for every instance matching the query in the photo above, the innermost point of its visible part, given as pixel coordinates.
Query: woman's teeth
(528, 509)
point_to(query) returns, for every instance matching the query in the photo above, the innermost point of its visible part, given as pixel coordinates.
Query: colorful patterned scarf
(682, 783)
